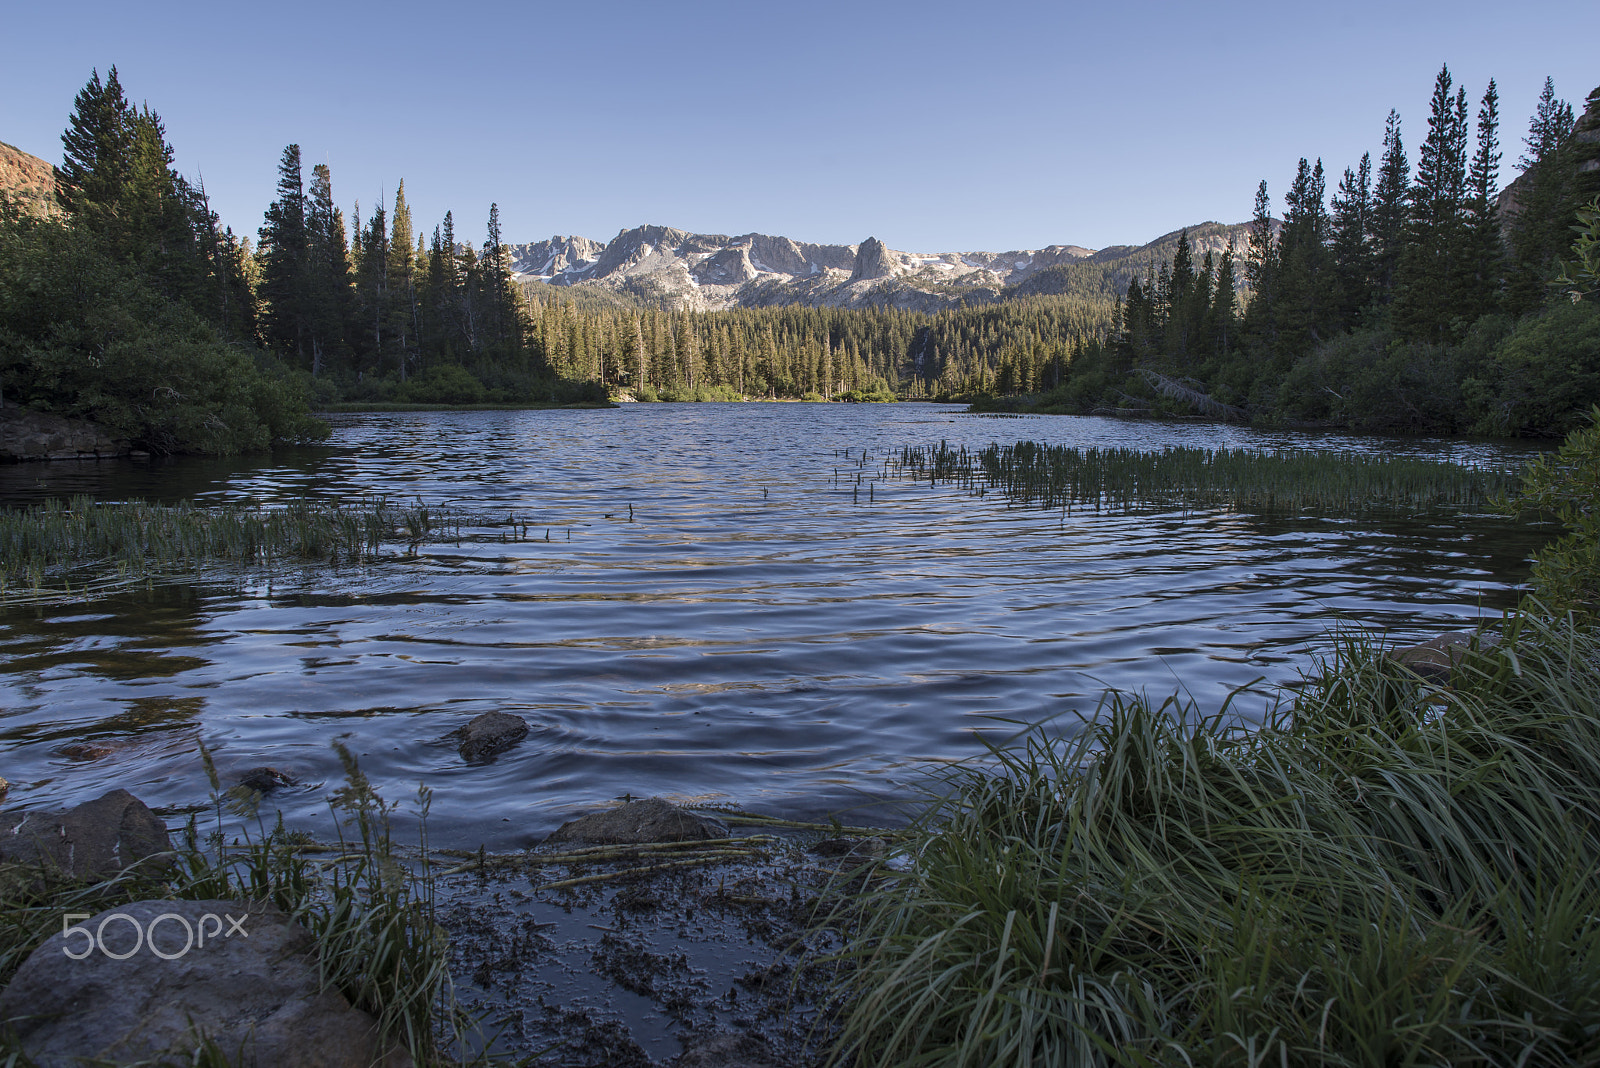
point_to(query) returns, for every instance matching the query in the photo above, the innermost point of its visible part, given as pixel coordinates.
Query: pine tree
(1223, 304)
(1428, 298)
(1352, 223)
(283, 251)
(328, 274)
(402, 283)
(1482, 259)
(1389, 211)
(1537, 226)
(97, 148)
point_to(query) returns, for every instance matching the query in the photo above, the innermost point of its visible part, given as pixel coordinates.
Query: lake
(757, 631)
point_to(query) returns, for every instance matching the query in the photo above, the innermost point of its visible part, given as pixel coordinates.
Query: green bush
(84, 336)
(448, 383)
(1566, 484)
(1542, 379)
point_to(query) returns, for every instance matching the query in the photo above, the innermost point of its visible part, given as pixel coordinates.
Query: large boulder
(240, 975)
(95, 840)
(29, 435)
(641, 822)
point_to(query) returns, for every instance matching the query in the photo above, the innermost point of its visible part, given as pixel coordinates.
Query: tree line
(1411, 299)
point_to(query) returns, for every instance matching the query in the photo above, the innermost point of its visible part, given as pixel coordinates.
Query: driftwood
(1203, 403)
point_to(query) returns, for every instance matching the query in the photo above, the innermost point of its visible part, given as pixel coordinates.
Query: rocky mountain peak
(874, 261)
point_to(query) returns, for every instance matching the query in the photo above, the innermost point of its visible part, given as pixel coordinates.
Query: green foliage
(1542, 379)
(1372, 380)
(1566, 484)
(1580, 277)
(82, 334)
(1387, 872)
(448, 383)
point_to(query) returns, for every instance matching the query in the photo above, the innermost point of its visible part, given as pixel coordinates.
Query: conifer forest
(1416, 297)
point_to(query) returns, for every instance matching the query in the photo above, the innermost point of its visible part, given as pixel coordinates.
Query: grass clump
(1386, 872)
(134, 539)
(1057, 476)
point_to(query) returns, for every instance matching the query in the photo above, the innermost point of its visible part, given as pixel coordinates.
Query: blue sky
(934, 126)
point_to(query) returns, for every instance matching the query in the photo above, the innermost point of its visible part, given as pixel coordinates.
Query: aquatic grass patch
(100, 543)
(1327, 482)
(1386, 872)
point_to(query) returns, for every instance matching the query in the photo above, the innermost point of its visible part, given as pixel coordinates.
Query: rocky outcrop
(730, 267)
(96, 840)
(873, 262)
(490, 734)
(29, 435)
(28, 179)
(150, 980)
(640, 822)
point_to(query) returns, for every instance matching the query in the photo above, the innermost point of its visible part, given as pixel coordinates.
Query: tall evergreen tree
(1389, 210)
(97, 148)
(1352, 254)
(1428, 298)
(1537, 223)
(283, 255)
(332, 308)
(402, 283)
(1482, 264)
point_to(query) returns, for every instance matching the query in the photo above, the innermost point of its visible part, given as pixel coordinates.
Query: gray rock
(490, 734)
(639, 822)
(264, 780)
(1436, 658)
(252, 989)
(29, 435)
(726, 1051)
(97, 839)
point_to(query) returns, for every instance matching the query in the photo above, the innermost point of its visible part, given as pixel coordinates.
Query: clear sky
(934, 126)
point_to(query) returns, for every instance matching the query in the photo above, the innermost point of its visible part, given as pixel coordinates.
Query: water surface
(759, 632)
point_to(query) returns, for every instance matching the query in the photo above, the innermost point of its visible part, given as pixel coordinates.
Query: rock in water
(264, 780)
(490, 734)
(1437, 658)
(639, 822)
(240, 974)
(95, 840)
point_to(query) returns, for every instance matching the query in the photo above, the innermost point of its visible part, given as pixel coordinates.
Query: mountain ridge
(683, 270)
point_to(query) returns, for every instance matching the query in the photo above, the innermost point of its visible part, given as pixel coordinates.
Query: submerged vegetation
(135, 540)
(1056, 476)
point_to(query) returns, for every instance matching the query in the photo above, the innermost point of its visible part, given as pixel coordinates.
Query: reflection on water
(754, 633)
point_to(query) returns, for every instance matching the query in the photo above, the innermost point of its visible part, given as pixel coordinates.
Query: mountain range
(663, 266)
(709, 272)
